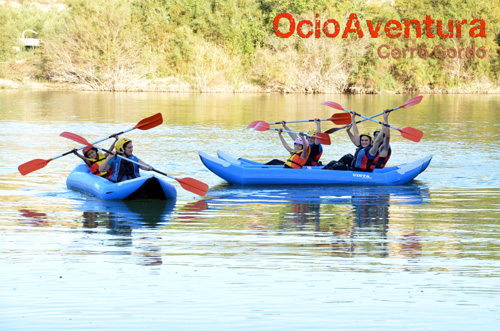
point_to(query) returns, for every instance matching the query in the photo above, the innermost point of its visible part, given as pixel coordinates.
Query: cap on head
(87, 149)
(299, 141)
(119, 144)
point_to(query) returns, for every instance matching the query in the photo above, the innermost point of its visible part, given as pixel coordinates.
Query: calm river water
(423, 256)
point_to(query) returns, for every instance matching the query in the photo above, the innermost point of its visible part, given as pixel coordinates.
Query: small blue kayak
(241, 171)
(144, 187)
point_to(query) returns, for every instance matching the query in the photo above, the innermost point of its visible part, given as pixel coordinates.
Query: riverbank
(175, 85)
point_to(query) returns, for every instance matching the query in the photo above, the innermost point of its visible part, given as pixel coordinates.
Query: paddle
(407, 132)
(145, 124)
(189, 184)
(411, 102)
(337, 118)
(323, 138)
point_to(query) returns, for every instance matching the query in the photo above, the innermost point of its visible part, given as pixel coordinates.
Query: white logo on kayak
(362, 176)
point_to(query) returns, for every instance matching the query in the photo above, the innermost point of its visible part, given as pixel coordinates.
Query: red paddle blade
(411, 134)
(262, 126)
(149, 122)
(75, 137)
(323, 138)
(32, 165)
(333, 105)
(412, 102)
(253, 124)
(341, 118)
(193, 185)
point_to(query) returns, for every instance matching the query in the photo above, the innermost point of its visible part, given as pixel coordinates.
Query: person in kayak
(300, 152)
(366, 155)
(316, 149)
(93, 158)
(120, 169)
(384, 148)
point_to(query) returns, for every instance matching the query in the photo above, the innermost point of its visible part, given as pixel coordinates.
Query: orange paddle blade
(75, 137)
(149, 122)
(193, 185)
(323, 138)
(253, 124)
(262, 126)
(411, 134)
(32, 165)
(341, 118)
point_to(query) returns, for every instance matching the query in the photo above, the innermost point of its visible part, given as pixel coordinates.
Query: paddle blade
(262, 126)
(32, 165)
(323, 138)
(193, 185)
(411, 134)
(253, 124)
(75, 137)
(149, 122)
(333, 130)
(412, 102)
(341, 118)
(333, 105)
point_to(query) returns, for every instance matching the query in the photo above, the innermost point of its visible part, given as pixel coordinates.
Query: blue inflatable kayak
(246, 172)
(144, 187)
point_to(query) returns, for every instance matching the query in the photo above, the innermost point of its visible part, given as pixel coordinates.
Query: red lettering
(459, 27)
(417, 28)
(276, 24)
(318, 27)
(481, 27)
(353, 18)
(428, 23)
(335, 24)
(299, 29)
(440, 29)
(388, 29)
(374, 33)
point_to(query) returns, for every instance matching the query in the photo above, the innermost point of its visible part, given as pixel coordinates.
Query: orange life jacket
(295, 161)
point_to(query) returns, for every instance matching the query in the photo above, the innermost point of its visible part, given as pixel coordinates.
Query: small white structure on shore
(30, 42)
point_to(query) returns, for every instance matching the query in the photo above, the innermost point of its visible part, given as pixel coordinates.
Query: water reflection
(33, 218)
(120, 219)
(121, 214)
(346, 220)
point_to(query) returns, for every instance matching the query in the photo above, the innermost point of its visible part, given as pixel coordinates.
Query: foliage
(120, 45)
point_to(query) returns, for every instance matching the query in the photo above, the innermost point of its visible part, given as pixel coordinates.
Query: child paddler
(93, 158)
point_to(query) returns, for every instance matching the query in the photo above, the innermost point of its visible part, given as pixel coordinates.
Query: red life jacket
(315, 152)
(382, 161)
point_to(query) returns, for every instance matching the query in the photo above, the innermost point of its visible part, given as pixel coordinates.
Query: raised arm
(386, 131)
(355, 132)
(318, 129)
(374, 149)
(292, 135)
(112, 147)
(87, 162)
(283, 141)
(305, 145)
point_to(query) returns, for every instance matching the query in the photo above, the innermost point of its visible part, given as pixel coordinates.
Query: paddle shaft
(301, 121)
(288, 131)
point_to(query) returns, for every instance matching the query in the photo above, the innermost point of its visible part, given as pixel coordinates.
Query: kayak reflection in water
(119, 168)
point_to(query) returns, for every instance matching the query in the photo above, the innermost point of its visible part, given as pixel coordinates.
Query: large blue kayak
(246, 172)
(145, 187)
